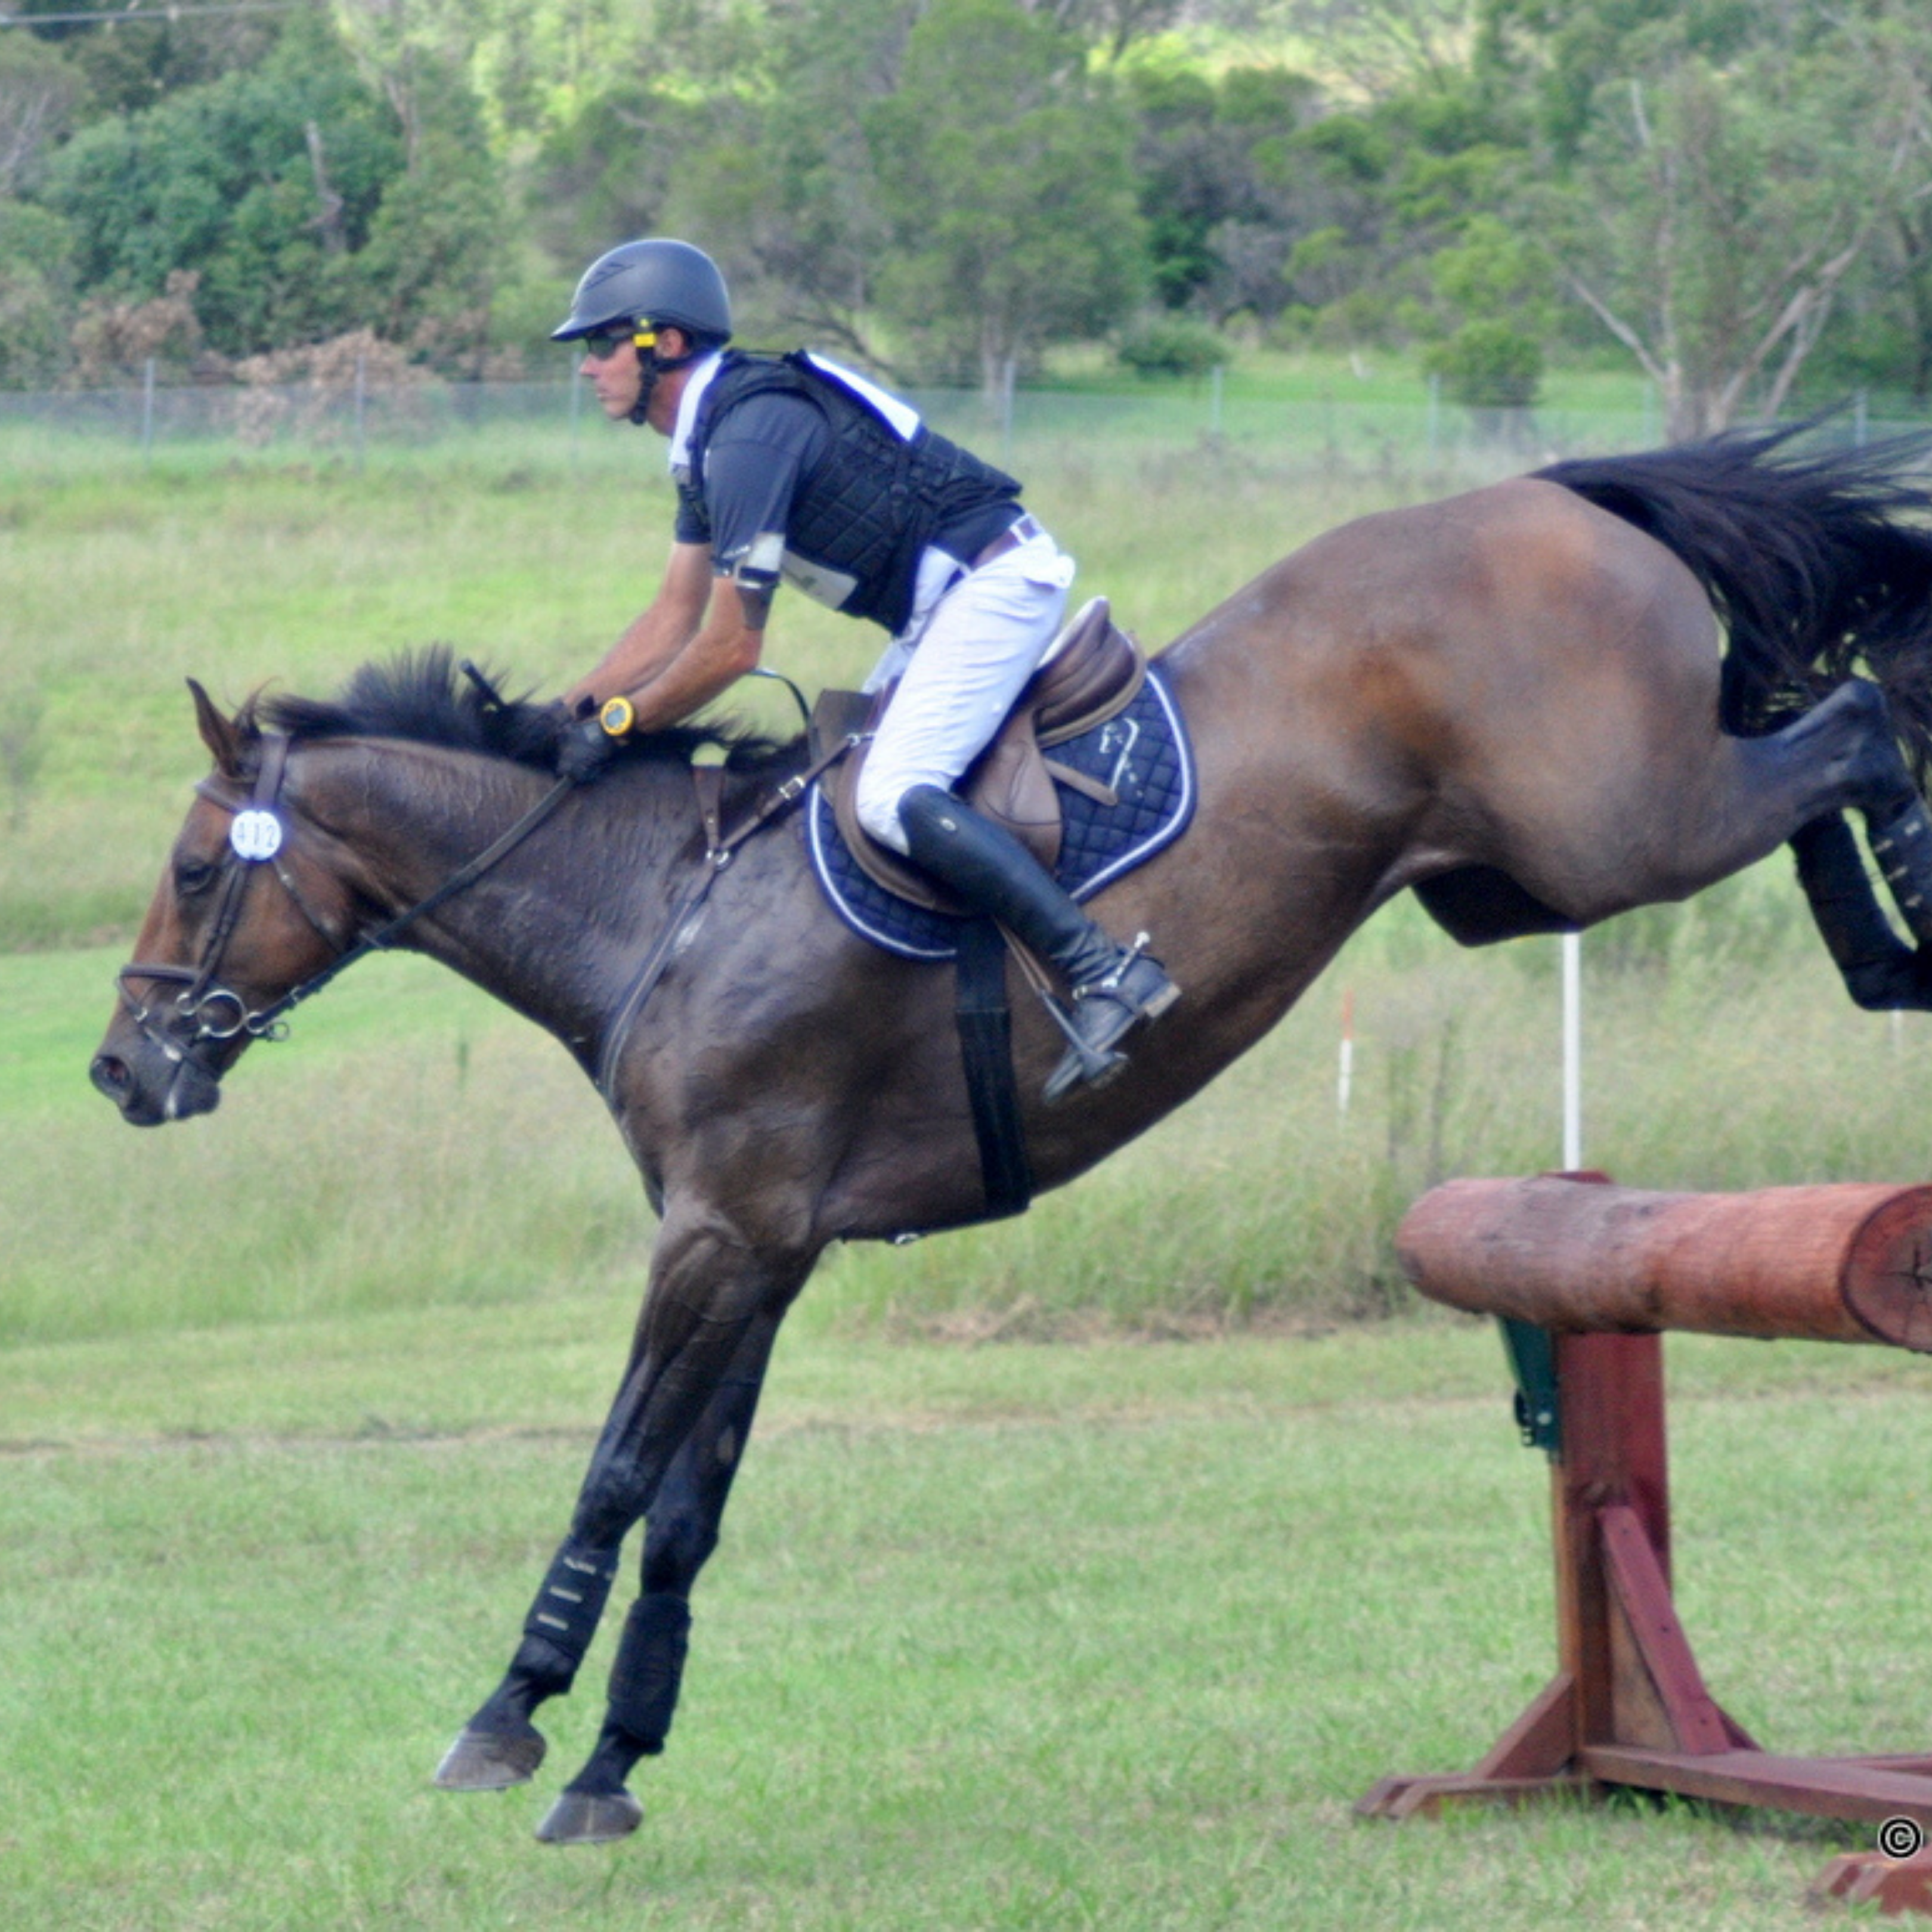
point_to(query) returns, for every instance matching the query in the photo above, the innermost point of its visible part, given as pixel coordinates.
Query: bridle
(257, 837)
(205, 1014)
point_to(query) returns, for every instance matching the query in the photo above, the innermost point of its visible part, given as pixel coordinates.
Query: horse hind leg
(1792, 785)
(1849, 737)
(1881, 972)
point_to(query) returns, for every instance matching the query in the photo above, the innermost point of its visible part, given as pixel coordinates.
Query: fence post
(362, 394)
(147, 411)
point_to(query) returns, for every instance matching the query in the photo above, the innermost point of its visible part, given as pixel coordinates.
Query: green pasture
(1110, 1635)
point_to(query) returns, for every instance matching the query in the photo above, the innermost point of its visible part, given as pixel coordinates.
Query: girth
(1095, 671)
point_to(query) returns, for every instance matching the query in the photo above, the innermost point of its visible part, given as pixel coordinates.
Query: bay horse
(1535, 704)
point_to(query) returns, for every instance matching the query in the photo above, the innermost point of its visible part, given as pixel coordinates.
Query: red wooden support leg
(1895, 1885)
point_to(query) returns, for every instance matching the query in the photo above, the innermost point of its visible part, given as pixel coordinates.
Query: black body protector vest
(876, 501)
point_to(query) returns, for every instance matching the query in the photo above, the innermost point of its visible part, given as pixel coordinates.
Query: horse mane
(420, 697)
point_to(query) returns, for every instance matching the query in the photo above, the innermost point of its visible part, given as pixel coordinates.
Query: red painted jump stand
(1628, 1705)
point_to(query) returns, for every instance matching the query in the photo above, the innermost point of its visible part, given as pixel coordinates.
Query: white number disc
(256, 835)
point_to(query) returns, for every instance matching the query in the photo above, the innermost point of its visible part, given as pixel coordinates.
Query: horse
(1535, 704)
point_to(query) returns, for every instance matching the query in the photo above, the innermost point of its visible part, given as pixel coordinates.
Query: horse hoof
(491, 1760)
(591, 1818)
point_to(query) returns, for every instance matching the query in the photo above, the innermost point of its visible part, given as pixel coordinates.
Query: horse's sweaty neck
(552, 927)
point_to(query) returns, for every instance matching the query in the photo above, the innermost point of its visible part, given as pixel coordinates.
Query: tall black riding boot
(1111, 986)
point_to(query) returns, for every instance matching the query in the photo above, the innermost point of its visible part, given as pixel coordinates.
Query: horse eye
(192, 875)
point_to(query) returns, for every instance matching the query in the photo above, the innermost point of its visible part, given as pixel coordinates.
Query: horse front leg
(708, 1295)
(680, 1534)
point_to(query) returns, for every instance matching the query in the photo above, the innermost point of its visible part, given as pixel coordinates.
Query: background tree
(1382, 47)
(1552, 55)
(1112, 25)
(1712, 214)
(36, 293)
(793, 190)
(285, 191)
(41, 93)
(1210, 160)
(130, 64)
(1004, 168)
(1735, 192)
(219, 181)
(410, 52)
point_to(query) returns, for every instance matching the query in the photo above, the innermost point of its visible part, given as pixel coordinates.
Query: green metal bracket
(1532, 1359)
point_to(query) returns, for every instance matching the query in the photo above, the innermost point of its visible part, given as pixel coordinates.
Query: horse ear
(222, 735)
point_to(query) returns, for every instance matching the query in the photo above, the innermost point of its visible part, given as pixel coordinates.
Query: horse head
(246, 913)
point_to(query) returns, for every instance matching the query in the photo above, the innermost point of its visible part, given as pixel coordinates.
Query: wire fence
(555, 426)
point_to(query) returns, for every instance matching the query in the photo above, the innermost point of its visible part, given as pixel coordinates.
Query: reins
(256, 839)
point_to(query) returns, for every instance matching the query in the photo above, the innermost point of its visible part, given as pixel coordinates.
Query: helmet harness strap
(651, 365)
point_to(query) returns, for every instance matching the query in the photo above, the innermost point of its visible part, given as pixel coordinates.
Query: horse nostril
(110, 1075)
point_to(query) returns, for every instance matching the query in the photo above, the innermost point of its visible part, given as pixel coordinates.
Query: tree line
(1735, 195)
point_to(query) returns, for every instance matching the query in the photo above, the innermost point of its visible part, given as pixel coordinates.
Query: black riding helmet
(655, 281)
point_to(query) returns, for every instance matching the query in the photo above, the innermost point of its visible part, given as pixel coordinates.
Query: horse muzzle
(150, 1087)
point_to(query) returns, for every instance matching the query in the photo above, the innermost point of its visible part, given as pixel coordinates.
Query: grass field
(293, 1398)
(1107, 1635)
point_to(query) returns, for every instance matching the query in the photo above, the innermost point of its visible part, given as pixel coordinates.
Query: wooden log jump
(1585, 1276)
(1843, 1263)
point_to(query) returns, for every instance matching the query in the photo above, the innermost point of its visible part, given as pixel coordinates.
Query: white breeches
(960, 662)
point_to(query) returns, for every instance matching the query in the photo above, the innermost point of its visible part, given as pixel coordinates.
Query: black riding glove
(583, 750)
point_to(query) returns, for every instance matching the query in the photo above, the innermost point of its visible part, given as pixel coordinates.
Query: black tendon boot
(1111, 986)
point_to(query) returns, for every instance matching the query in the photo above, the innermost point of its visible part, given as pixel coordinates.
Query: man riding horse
(790, 467)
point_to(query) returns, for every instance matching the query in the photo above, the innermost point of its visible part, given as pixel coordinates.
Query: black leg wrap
(563, 1618)
(1880, 971)
(1902, 844)
(650, 1667)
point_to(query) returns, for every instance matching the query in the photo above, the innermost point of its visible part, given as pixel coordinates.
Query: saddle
(1093, 671)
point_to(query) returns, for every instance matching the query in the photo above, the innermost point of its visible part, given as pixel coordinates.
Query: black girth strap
(986, 1052)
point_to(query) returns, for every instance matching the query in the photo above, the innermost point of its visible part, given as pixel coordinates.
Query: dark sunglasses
(600, 344)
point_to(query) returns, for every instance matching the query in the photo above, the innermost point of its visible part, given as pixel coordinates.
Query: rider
(791, 467)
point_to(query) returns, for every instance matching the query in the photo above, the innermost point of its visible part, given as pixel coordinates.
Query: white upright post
(1345, 1074)
(1573, 1052)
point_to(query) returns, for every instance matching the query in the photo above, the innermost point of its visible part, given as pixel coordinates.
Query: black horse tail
(1820, 566)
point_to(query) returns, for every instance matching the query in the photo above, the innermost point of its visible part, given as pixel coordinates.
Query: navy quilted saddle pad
(1142, 755)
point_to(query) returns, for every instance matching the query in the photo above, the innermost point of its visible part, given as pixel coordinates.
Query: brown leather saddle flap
(1095, 671)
